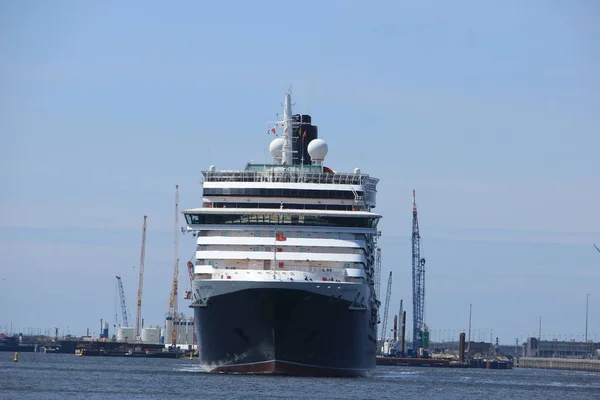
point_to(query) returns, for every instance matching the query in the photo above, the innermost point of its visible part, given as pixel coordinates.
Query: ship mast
(286, 151)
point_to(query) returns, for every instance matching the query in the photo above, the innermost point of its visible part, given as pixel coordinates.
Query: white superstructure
(285, 221)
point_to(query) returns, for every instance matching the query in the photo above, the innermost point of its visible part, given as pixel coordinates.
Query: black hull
(285, 331)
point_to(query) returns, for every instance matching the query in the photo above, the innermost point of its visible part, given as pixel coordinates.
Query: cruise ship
(283, 279)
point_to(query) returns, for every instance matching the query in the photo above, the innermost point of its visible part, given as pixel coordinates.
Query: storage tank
(168, 330)
(126, 334)
(181, 324)
(386, 347)
(156, 335)
(151, 335)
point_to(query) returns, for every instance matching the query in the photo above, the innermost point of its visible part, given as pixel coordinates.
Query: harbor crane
(386, 308)
(418, 283)
(138, 321)
(123, 303)
(173, 297)
(597, 248)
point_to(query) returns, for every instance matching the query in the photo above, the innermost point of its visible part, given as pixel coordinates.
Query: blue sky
(489, 111)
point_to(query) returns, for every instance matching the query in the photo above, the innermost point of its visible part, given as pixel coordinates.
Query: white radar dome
(276, 147)
(317, 149)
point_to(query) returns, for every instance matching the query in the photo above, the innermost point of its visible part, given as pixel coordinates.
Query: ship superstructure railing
(291, 175)
(286, 268)
(289, 272)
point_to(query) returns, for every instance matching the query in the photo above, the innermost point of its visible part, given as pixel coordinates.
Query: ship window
(259, 219)
(193, 219)
(331, 194)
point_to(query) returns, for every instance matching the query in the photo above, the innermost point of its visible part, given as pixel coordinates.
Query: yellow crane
(138, 322)
(173, 297)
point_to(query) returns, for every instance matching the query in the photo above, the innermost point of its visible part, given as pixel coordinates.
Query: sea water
(65, 376)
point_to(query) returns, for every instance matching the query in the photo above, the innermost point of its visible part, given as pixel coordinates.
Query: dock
(558, 363)
(485, 363)
(122, 349)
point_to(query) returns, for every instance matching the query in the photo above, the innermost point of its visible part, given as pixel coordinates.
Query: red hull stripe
(276, 367)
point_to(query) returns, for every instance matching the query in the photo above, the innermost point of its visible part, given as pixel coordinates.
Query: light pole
(587, 301)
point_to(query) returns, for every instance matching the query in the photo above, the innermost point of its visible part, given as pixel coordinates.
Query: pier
(557, 363)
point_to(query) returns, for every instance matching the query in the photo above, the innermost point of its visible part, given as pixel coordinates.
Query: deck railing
(290, 175)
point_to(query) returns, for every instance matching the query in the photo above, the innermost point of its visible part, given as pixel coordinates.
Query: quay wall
(558, 363)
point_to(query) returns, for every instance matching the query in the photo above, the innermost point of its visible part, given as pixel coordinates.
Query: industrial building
(561, 349)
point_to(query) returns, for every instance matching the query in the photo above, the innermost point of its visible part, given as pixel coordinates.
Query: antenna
(414, 201)
(287, 154)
